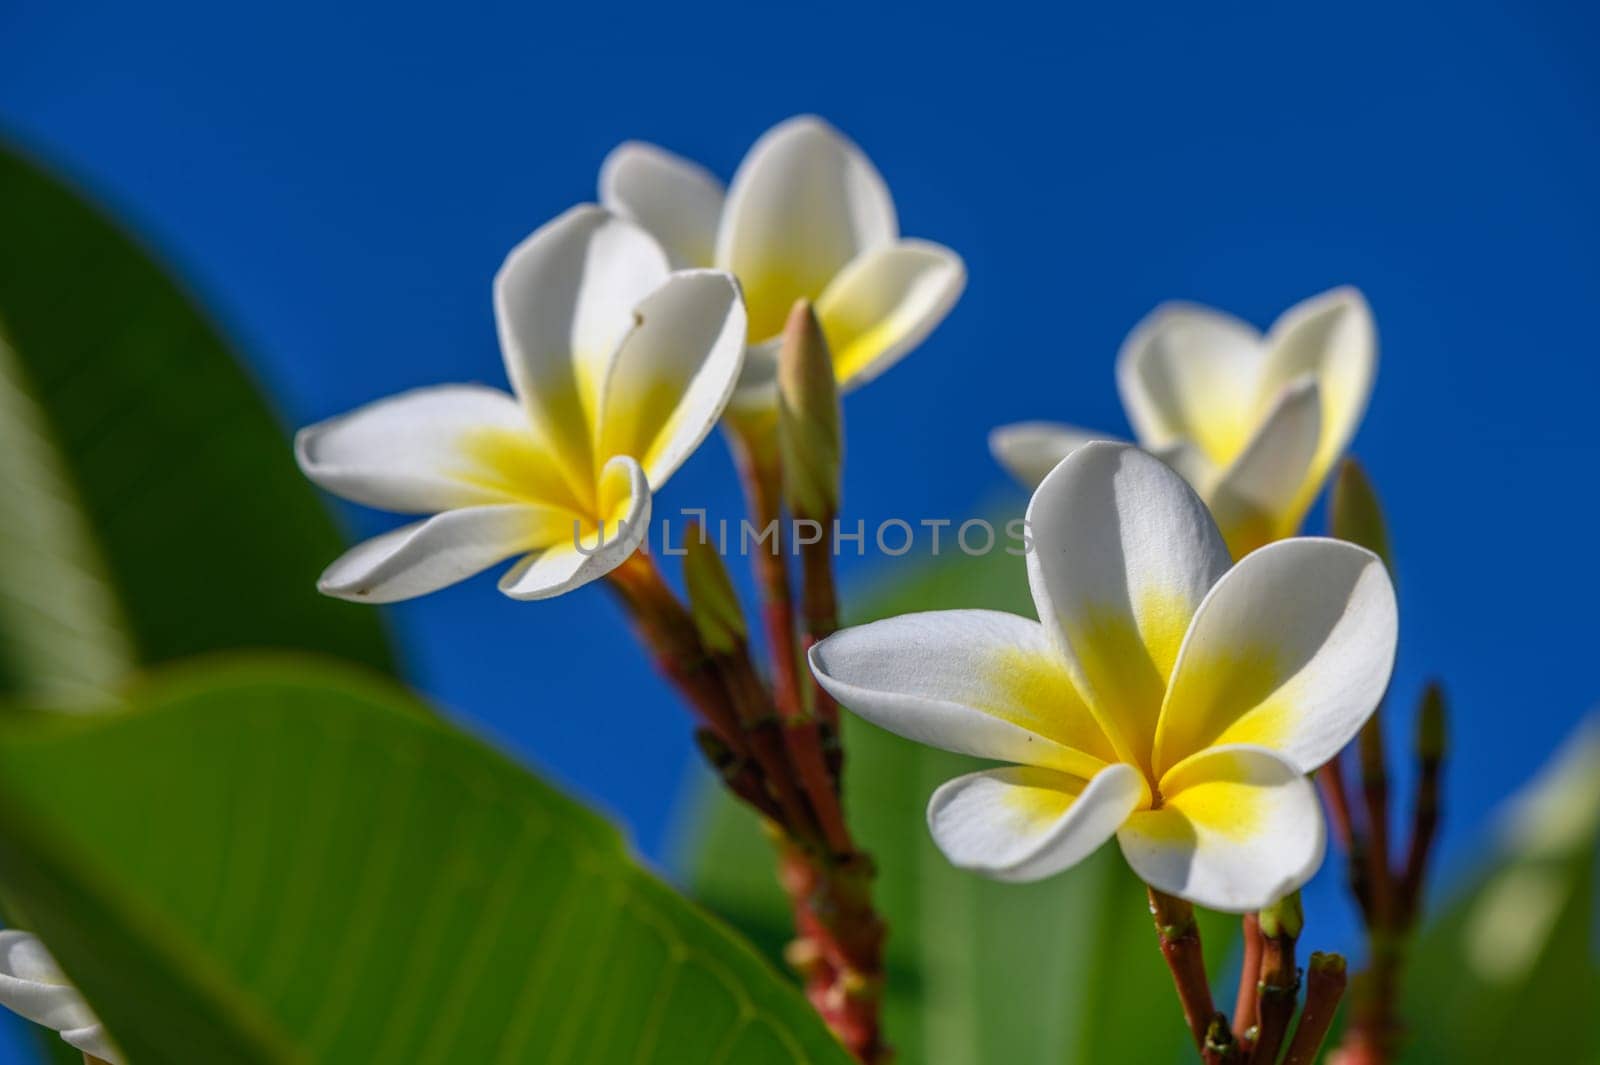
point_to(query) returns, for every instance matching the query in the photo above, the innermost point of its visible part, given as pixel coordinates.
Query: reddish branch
(1180, 945)
(1390, 891)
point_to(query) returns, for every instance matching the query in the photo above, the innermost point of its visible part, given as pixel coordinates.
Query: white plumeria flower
(32, 985)
(621, 366)
(1254, 422)
(807, 217)
(1163, 696)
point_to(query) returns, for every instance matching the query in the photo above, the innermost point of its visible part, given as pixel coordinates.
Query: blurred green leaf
(150, 507)
(1508, 973)
(246, 868)
(1061, 972)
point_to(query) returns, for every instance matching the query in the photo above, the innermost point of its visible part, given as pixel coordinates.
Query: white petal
(674, 372)
(977, 682)
(678, 201)
(1030, 450)
(884, 303)
(1259, 498)
(424, 451)
(33, 985)
(804, 202)
(1333, 338)
(1239, 828)
(447, 548)
(757, 390)
(1291, 651)
(587, 554)
(1024, 823)
(1123, 551)
(1189, 373)
(92, 1040)
(564, 300)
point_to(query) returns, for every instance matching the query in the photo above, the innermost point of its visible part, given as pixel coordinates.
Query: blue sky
(340, 185)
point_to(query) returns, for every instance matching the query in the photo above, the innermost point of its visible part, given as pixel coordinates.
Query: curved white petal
(33, 986)
(564, 300)
(450, 547)
(1030, 450)
(587, 553)
(1239, 828)
(884, 303)
(1258, 499)
(1123, 551)
(1333, 338)
(977, 682)
(1024, 823)
(804, 202)
(429, 450)
(1291, 651)
(674, 373)
(679, 202)
(1189, 373)
(92, 1040)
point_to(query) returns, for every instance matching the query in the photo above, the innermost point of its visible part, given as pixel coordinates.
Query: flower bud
(1283, 918)
(1355, 515)
(713, 603)
(809, 435)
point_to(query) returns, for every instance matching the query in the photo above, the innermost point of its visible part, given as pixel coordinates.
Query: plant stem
(1245, 1003)
(1325, 983)
(1179, 936)
(840, 950)
(1280, 978)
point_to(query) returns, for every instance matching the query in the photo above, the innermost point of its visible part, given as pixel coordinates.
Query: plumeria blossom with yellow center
(807, 217)
(32, 985)
(1165, 696)
(1254, 422)
(620, 366)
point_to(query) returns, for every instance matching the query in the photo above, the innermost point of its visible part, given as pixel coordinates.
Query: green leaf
(150, 507)
(245, 868)
(1509, 972)
(1062, 971)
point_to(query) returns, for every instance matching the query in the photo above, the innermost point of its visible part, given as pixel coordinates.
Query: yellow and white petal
(884, 303)
(1333, 338)
(420, 452)
(1024, 823)
(679, 202)
(804, 202)
(1030, 450)
(1238, 829)
(977, 682)
(1189, 373)
(674, 373)
(564, 299)
(33, 986)
(585, 552)
(1291, 651)
(1258, 499)
(429, 555)
(1123, 552)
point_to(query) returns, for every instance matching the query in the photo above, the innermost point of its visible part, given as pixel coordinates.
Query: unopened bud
(1431, 734)
(1283, 918)
(1355, 514)
(809, 435)
(713, 603)
(1326, 964)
